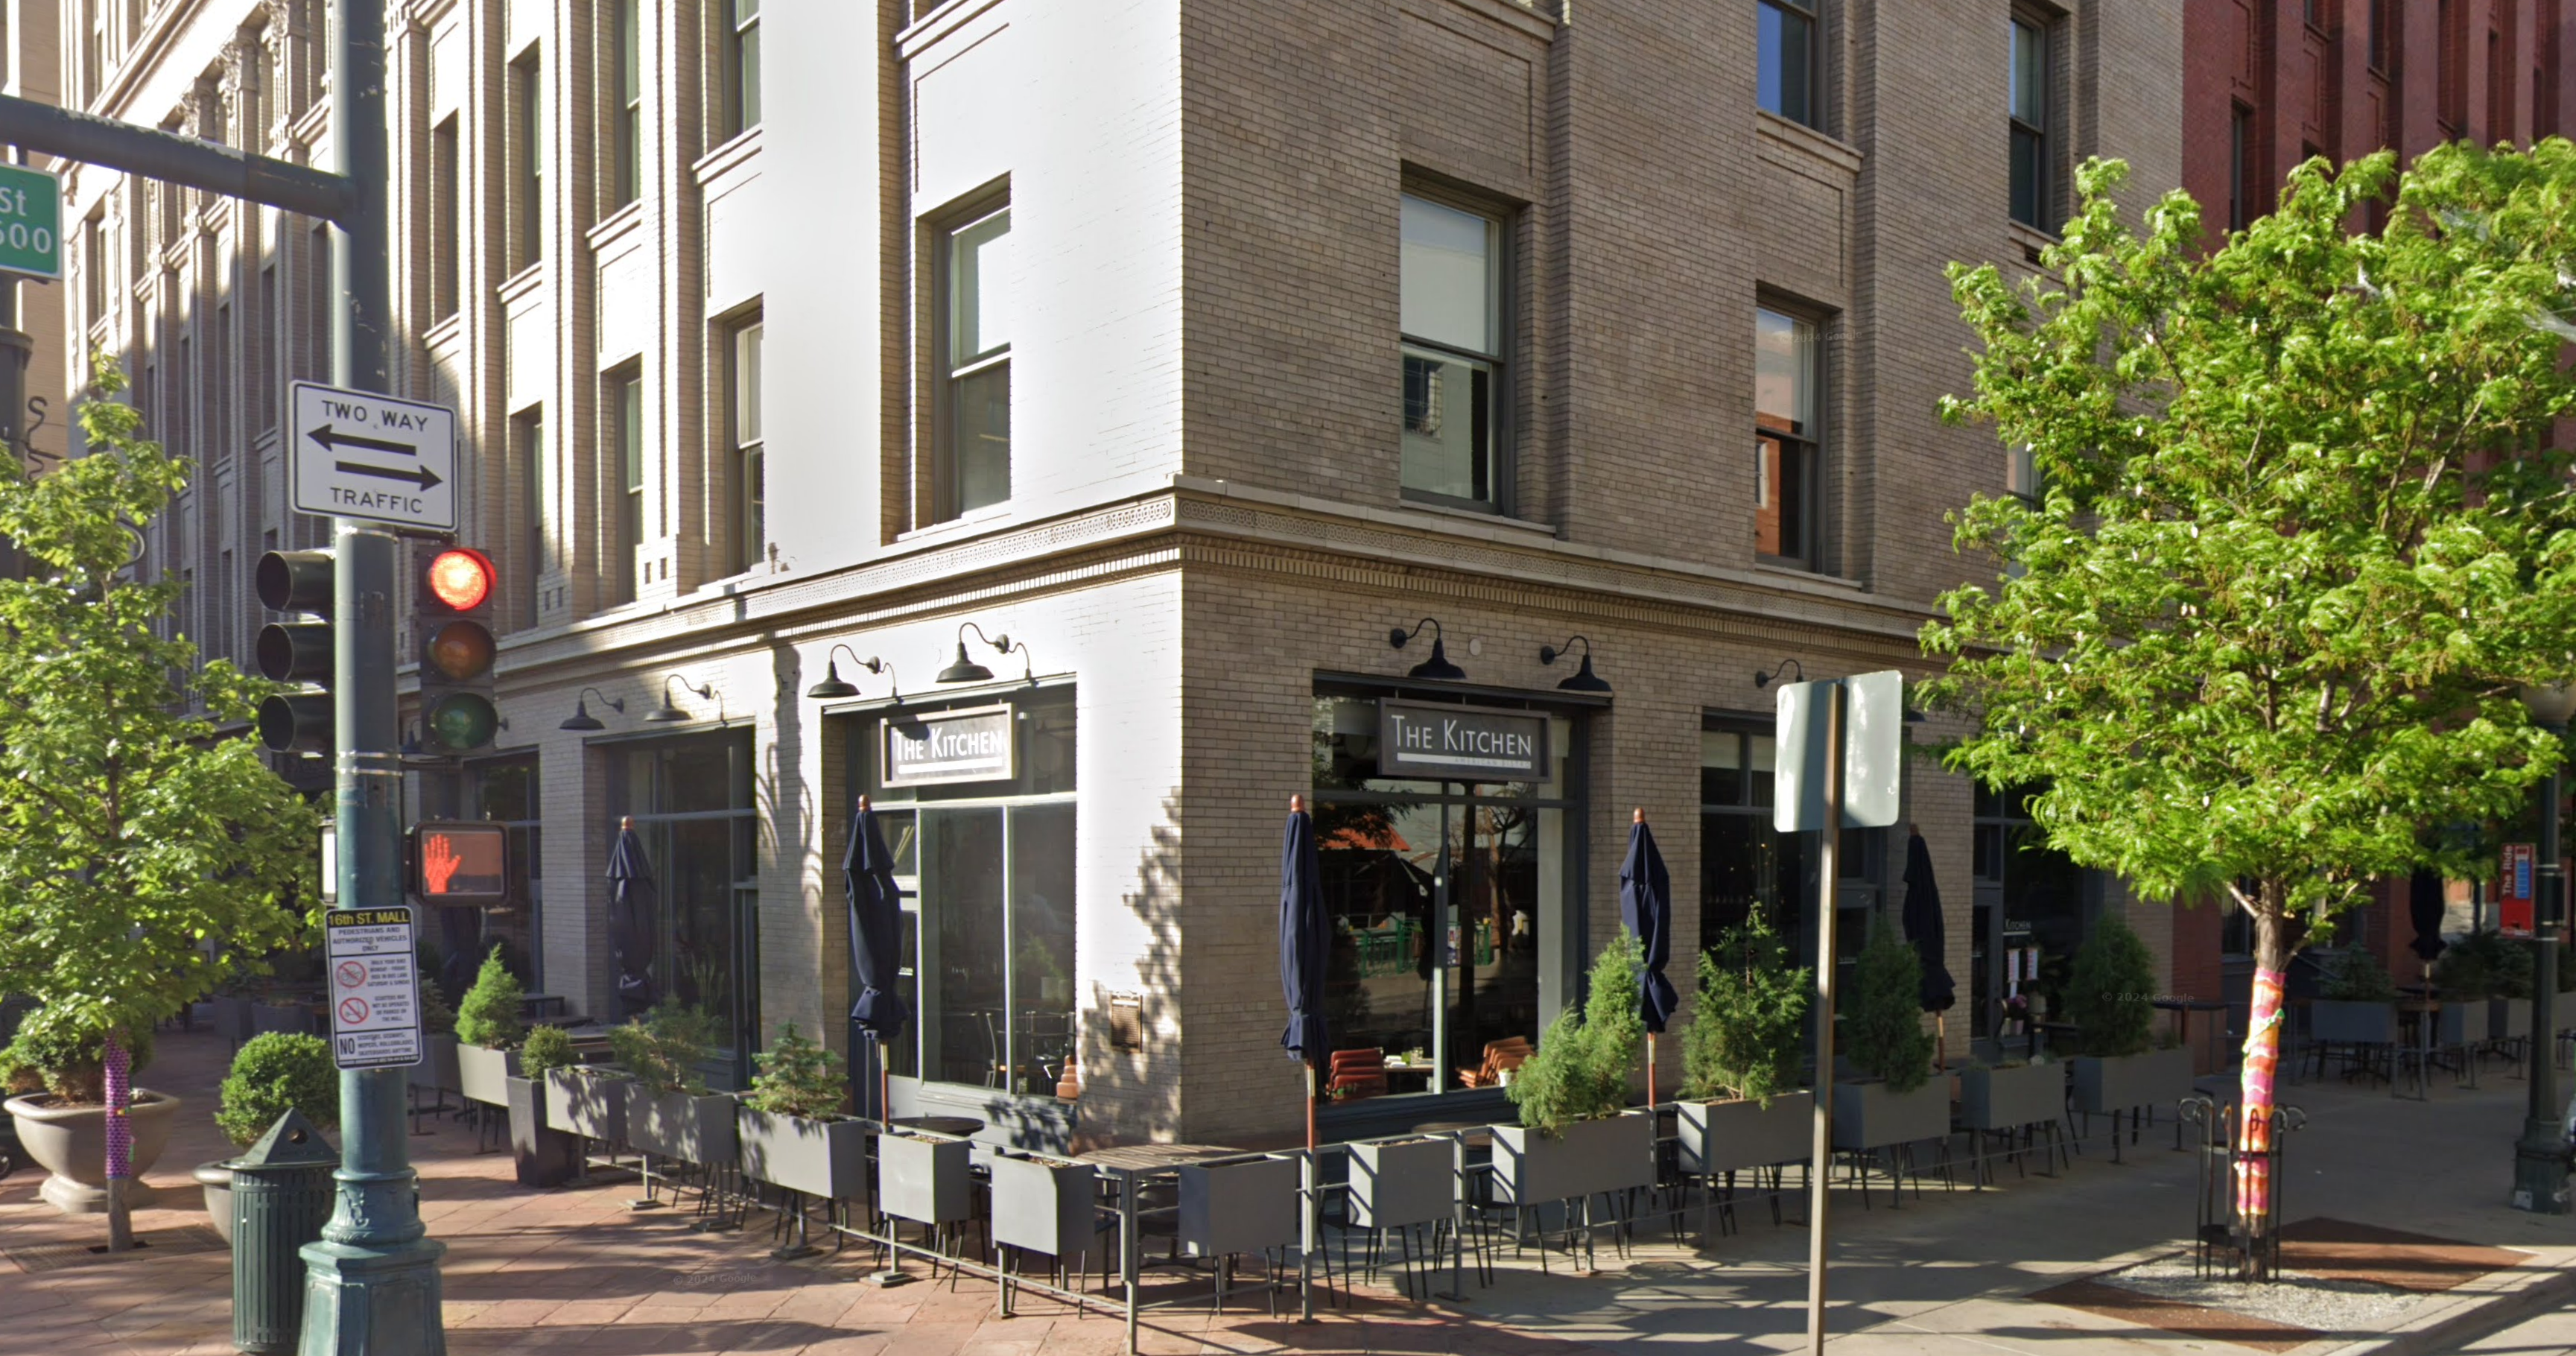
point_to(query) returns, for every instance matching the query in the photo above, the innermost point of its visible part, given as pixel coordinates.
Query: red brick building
(2269, 83)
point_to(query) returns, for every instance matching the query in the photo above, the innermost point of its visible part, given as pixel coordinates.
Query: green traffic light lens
(463, 720)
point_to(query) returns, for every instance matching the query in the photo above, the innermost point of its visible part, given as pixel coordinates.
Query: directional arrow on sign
(418, 475)
(334, 439)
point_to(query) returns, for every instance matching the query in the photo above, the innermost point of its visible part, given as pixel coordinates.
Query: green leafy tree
(2111, 990)
(273, 1074)
(1580, 1071)
(2303, 535)
(489, 1016)
(137, 823)
(1744, 1034)
(1882, 1029)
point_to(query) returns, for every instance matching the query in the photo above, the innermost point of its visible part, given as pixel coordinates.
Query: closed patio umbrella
(876, 941)
(1923, 929)
(1305, 948)
(1646, 906)
(2424, 908)
(631, 922)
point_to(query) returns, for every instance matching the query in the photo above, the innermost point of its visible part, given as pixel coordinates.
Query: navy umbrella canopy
(2424, 908)
(876, 927)
(1646, 906)
(1923, 924)
(1305, 949)
(631, 921)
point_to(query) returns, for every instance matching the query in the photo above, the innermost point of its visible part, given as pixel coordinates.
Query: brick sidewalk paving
(575, 1270)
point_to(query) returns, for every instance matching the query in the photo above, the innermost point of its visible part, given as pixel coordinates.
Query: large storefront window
(693, 804)
(1748, 867)
(1448, 897)
(2030, 912)
(977, 804)
(505, 790)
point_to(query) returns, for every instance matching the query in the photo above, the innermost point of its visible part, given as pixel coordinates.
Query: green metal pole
(371, 1283)
(2540, 1157)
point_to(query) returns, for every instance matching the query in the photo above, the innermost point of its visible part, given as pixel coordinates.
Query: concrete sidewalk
(575, 1271)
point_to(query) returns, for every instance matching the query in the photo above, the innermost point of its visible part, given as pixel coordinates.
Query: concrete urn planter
(2158, 1078)
(215, 1180)
(1873, 1116)
(691, 1127)
(588, 1102)
(1730, 1136)
(824, 1159)
(1613, 1153)
(70, 1142)
(2008, 1099)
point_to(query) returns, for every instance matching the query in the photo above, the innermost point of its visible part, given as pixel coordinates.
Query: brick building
(2267, 86)
(1194, 347)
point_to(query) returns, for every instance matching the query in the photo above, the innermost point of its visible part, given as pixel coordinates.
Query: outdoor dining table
(1130, 1164)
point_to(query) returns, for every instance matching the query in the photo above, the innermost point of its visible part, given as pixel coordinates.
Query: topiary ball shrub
(272, 1075)
(2110, 995)
(489, 1016)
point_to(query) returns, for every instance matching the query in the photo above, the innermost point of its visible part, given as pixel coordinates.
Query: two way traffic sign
(360, 455)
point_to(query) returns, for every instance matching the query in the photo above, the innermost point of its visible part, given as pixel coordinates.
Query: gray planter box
(1612, 1153)
(693, 1128)
(826, 1159)
(2508, 1019)
(2119, 1083)
(1392, 1185)
(587, 1102)
(2008, 1099)
(437, 1069)
(483, 1074)
(2461, 1024)
(232, 1021)
(1873, 1116)
(2346, 1022)
(1239, 1207)
(543, 1154)
(1048, 1208)
(922, 1179)
(268, 1017)
(1729, 1136)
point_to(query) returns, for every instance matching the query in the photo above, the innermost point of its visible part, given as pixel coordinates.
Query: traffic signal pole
(372, 1283)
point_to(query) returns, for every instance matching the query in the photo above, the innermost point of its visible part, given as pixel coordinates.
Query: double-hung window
(627, 88)
(1786, 31)
(2029, 95)
(742, 65)
(1451, 284)
(977, 366)
(625, 401)
(527, 224)
(742, 389)
(1786, 436)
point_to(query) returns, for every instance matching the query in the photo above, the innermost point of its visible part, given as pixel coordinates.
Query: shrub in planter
(672, 1113)
(1572, 1139)
(2353, 1005)
(437, 1069)
(1740, 1055)
(790, 1130)
(61, 1118)
(1896, 1101)
(272, 1075)
(2111, 995)
(488, 1032)
(544, 1153)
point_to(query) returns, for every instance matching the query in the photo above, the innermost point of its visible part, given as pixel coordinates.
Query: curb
(2460, 1324)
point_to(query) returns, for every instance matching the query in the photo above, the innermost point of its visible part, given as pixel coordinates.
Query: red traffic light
(460, 578)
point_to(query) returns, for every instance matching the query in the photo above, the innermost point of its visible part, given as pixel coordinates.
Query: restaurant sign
(1460, 743)
(949, 746)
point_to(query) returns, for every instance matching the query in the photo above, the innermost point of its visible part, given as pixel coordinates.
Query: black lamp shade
(1584, 679)
(834, 686)
(965, 670)
(582, 720)
(1438, 667)
(668, 715)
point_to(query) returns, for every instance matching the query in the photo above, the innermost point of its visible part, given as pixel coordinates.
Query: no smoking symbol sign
(352, 974)
(353, 1010)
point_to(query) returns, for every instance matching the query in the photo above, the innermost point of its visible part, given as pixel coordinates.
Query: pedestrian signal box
(460, 862)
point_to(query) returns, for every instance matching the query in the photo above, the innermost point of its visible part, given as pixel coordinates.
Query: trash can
(282, 1196)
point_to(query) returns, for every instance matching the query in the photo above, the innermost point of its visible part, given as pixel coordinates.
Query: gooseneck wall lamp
(966, 670)
(1437, 667)
(1584, 679)
(582, 721)
(1765, 677)
(673, 713)
(834, 687)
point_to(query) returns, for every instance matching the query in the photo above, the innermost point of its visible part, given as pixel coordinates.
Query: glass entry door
(692, 801)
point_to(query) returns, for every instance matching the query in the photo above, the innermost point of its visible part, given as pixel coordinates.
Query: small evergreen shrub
(1580, 1071)
(489, 1016)
(272, 1075)
(69, 1062)
(1745, 1027)
(436, 1017)
(1883, 1028)
(2110, 994)
(2358, 977)
(663, 1047)
(548, 1048)
(2484, 964)
(796, 1078)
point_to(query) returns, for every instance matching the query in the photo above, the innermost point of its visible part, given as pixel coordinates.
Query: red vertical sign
(2513, 898)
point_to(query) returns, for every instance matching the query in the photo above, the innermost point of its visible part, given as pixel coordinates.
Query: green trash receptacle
(282, 1196)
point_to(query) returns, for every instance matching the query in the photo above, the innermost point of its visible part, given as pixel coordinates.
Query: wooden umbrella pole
(1310, 1107)
(1650, 1071)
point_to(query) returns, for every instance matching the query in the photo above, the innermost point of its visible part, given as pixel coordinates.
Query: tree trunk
(120, 1145)
(2262, 1060)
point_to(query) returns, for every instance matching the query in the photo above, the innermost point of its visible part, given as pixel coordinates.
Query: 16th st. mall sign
(359, 455)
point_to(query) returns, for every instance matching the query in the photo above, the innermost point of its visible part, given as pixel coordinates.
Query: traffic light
(457, 590)
(297, 651)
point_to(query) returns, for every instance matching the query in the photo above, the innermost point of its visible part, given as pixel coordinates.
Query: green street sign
(31, 222)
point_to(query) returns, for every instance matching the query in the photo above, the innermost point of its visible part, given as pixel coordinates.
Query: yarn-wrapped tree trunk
(2298, 536)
